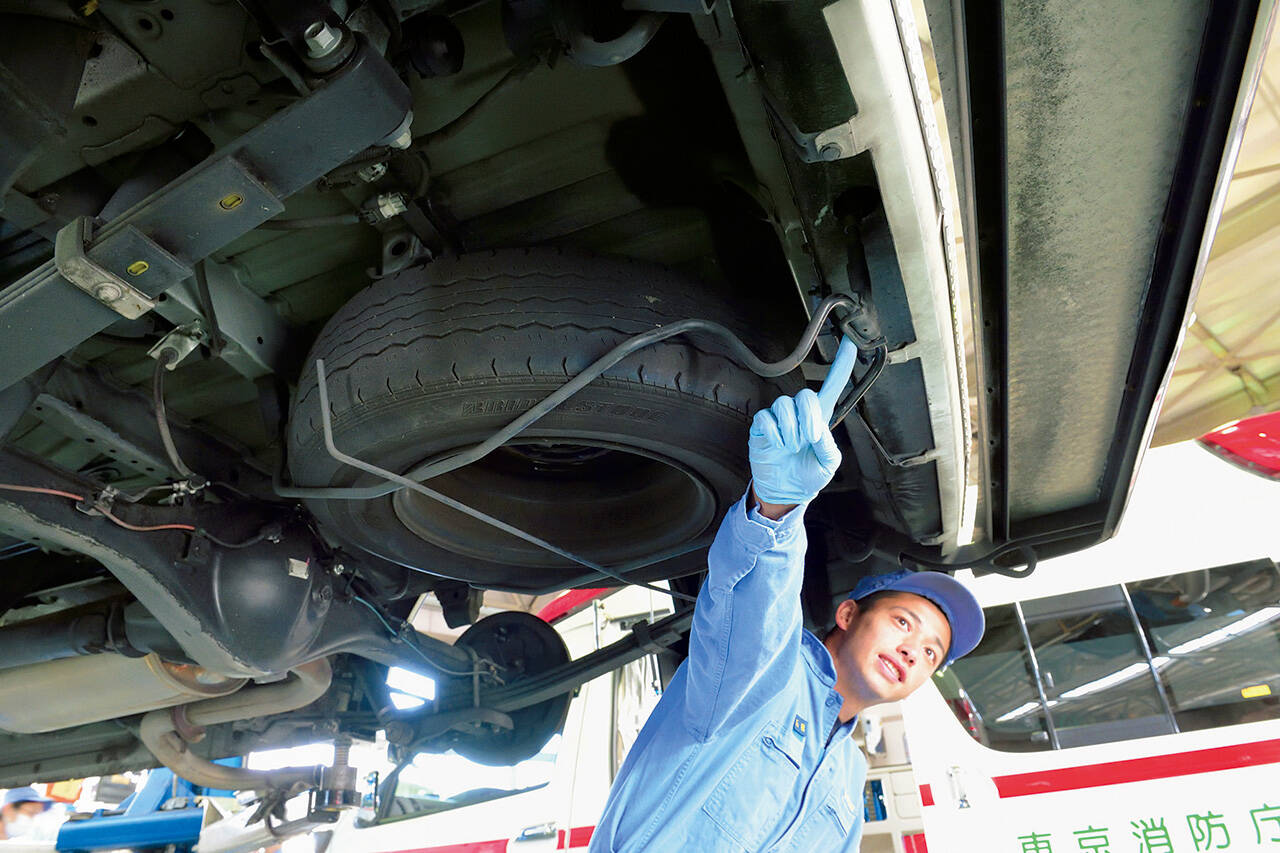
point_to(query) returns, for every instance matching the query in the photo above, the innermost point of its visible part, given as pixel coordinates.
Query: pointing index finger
(837, 377)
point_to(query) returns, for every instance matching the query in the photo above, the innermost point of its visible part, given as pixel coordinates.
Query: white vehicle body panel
(1193, 789)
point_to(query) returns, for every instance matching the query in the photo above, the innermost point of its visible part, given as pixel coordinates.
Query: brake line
(138, 528)
(266, 533)
(166, 356)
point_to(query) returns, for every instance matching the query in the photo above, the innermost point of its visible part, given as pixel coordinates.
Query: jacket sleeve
(745, 639)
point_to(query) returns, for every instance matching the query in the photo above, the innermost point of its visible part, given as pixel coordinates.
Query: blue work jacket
(744, 752)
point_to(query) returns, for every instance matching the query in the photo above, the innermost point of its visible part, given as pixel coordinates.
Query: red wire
(145, 529)
(41, 491)
(126, 525)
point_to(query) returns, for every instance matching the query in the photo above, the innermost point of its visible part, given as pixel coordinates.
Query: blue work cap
(25, 794)
(952, 597)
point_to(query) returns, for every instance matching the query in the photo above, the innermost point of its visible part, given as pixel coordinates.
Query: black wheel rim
(605, 502)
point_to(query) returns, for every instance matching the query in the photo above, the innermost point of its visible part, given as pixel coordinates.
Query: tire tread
(450, 312)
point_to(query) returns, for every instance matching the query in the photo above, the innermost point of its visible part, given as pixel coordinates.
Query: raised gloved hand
(792, 453)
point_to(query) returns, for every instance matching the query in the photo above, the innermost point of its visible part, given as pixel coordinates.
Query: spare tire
(644, 459)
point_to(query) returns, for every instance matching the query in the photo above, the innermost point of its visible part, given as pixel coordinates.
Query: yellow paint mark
(138, 267)
(231, 201)
(1255, 691)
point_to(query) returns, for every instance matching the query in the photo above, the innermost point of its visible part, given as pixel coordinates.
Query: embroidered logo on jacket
(800, 726)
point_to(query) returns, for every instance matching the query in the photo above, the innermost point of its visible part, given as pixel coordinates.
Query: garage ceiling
(1229, 367)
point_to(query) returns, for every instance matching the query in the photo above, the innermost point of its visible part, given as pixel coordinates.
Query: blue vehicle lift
(143, 822)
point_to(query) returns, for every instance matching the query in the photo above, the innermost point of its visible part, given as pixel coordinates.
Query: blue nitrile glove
(792, 452)
(793, 455)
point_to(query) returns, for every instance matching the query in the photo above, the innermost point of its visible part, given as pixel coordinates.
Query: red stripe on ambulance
(914, 843)
(926, 795)
(579, 836)
(1139, 769)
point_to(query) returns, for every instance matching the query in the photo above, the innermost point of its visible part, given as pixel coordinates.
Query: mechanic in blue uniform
(749, 748)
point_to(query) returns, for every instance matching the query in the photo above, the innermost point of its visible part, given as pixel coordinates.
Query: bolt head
(831, 151)
(108, 291)
(404, 140)
(321, 39)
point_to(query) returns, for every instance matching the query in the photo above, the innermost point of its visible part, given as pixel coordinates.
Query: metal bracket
(103, 285)
(645, 638)
(259, 340)
(825, 146)
(81, 426)
(232, 191)
(181, 340)
(400, 249)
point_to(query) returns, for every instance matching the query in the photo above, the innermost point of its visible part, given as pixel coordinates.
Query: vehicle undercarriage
(456, 208)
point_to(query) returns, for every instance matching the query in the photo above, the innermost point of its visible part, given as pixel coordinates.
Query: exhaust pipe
(168, 732)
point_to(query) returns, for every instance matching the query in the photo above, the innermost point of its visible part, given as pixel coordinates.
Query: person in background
(18, 813)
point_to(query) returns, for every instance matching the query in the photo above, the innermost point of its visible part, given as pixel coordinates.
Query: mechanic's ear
(846, 614)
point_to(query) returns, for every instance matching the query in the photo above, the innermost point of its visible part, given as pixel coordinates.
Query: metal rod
(1151, 664)
(1035, 674)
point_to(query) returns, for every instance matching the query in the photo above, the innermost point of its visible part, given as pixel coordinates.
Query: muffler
(37, 697)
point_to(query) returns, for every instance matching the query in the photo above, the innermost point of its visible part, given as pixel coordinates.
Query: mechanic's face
(886, 649)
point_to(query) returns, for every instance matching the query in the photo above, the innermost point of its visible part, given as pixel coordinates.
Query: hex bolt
(831, 151)
(321, 39)
(404, 140)
(108, 291)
